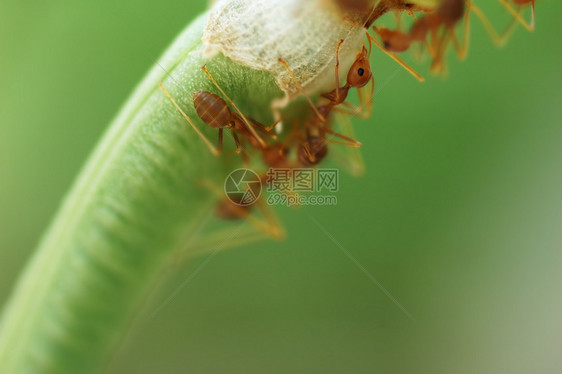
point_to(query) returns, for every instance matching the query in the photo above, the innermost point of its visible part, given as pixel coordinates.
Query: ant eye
(359, 74)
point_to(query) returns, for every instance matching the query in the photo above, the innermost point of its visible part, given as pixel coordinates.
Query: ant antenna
(370, 44)
(207, 142)
(396, 58)
(337, 68)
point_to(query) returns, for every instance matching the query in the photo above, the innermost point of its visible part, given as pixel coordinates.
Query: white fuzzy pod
(305, 33)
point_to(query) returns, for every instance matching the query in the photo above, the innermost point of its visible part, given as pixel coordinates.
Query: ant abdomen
(212, 109)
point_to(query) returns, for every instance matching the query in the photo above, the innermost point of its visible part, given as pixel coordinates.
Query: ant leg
(263, 130)
(352, 142)
(353, 111)
(239, 147)
(337, 69)
(218, 241)
(236, 140)
(350, 110)
(498, 40)
(278, 124)
(301, 89)
(530, 26)
(396, 58)
(311, 155)
(245, 160)
(207, 142)
(339, 142)
(438, 65)
(220, 139)
(246, 123)
(429, 48)
(369, 102)
(348, 158)
(425, 42)
(398, 20)
(266, 129)
(434, 42)
(272, 227)
(462, 49)
(349, 142)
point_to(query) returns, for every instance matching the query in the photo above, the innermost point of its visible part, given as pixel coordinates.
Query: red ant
(314, 148)
(450, 13)
(445, 18)
(216, 113)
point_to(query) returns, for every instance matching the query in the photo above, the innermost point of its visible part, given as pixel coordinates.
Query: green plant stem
(134, 203)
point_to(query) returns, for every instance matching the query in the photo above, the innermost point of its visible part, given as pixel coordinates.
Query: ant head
(360, 72)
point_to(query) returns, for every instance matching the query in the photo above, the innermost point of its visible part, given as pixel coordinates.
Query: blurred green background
(459, 215)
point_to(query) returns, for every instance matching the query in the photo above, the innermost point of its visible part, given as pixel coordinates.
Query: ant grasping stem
(240, 114)
(216, 113)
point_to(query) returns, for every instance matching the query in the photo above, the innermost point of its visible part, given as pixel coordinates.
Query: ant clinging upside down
(439, 24)
(313, 149)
